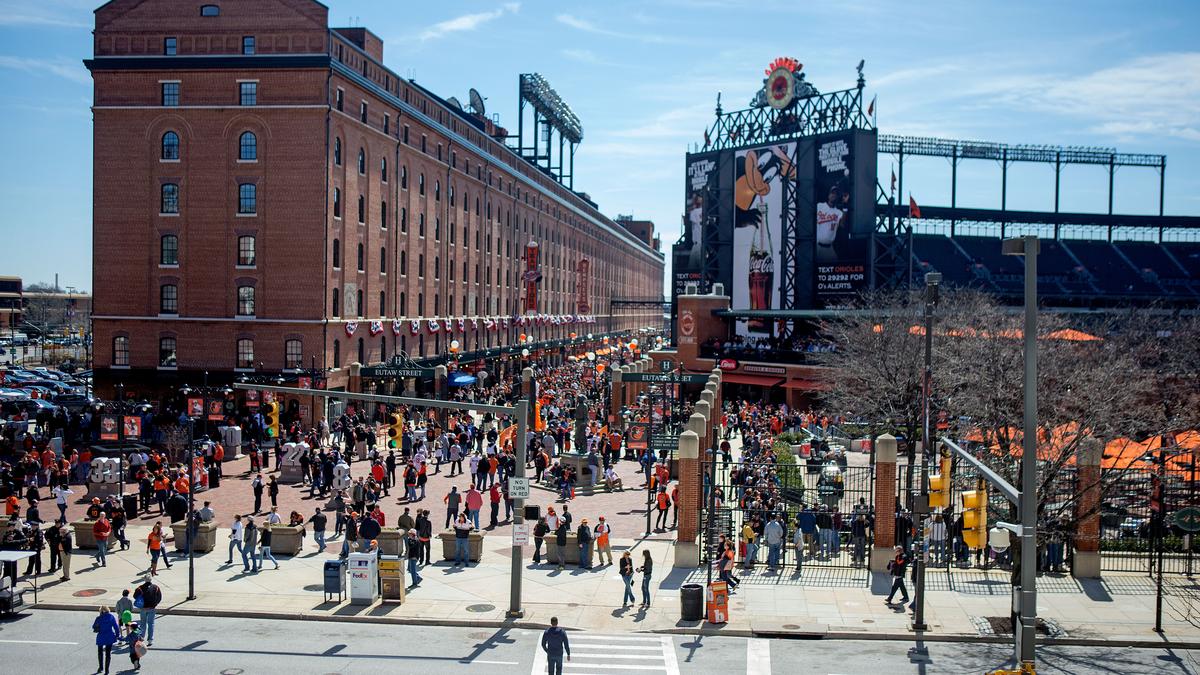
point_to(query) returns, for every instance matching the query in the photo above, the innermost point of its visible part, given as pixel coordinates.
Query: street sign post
(397, 371)
(518, 488)
(665, 378)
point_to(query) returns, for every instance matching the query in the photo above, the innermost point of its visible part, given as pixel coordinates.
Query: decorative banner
(583, 269)
(376, 328)
(434, 326)
(462, 325)
(351, 326)
(132, 426)
(396, 325)
(414, 326)
(531, 277)
(268, 396)
(215, 411)
(504, 323)
(304, 382)
(251, 398)
(195, 407)
(449, 326)
(110, 428)
(489, 323)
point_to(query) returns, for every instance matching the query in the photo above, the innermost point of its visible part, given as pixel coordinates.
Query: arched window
(362, 162)
(337, 202)
(170, 145)
(360, 258)
(382, 304)
(362, 353)
(383, 348)
(403, 262)
(437, 267)
(466, 199)
(337, 353)
(337, 151)
(248, 146)
(383, 169)
(337, 254)
(360, 305)
(383, 220)
(404, 177)
(169, 198)
(120, 355)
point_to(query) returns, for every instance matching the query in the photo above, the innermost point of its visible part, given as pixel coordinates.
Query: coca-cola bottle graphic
(762, 272)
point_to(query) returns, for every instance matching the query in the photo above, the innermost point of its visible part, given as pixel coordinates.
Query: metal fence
(822, 500)
(1128, 541)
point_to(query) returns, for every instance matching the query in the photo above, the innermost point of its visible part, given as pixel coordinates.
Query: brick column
(1087, 510)
(615, 398)
(885, 502)
(687, 550)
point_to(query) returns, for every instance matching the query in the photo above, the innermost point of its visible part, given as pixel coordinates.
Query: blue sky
(643, 77)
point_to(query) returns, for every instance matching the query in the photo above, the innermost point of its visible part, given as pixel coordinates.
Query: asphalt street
(48, 642)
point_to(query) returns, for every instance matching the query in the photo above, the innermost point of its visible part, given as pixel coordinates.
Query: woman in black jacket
(626, 569)
(647, 570)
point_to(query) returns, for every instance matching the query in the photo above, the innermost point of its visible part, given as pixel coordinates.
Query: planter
(572, 552)
(206, 537)
(286, 539)
(476, 545)
(84, 537)
(391, 541)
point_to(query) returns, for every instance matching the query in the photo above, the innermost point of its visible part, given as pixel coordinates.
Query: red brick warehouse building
(269, 197)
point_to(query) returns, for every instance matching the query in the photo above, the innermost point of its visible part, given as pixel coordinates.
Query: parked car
(73, 402)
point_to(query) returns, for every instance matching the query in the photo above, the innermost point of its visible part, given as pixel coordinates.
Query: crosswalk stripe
(610, 666)
(758, 656)
(669, 655)
(650, 653)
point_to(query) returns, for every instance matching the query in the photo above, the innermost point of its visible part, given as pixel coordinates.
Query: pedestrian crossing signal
(271, 419)
(975, 517)
(395, 429)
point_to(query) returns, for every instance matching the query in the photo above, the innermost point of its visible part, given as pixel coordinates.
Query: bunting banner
(351, 326)
(414, 326)
(434, 326)
(462, 325)
(397, 326)
(504, 323)
(489, 323)
(448, 325)
(376, 328)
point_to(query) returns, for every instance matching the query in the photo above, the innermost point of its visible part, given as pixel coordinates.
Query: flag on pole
(893, 182)
(914, 211)
(871, 108)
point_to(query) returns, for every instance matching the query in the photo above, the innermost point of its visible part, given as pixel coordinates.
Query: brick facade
(446, 209)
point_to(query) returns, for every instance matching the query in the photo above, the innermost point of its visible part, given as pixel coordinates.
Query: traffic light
(271, 419)
(395, 429)
(975, 504)
(939, 486)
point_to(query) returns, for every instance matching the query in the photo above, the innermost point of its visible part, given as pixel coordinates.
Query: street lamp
(933, 281)
(1026, 597)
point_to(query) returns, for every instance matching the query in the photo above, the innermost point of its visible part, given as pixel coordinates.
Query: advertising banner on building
(132, 426)
(842, 237)
(531, 277)
(758, 194)
(216, 412)
(583, 278)
(701, 202)
(109, 428)
(195, 407)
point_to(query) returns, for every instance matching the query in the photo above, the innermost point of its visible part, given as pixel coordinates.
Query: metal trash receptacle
(214, 477)
(335, 579)
(130, 504)
(691, 602)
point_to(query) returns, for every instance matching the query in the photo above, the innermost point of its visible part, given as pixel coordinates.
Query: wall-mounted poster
(759, 176)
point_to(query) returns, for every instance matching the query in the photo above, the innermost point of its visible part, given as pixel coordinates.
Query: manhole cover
(480, 608)
(89, 592)
(316, 588)
(868, 620)
(791, 626)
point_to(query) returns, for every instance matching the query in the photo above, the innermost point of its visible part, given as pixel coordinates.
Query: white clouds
(65, 68)
(46, 13)
(467, 22)
(590, 27)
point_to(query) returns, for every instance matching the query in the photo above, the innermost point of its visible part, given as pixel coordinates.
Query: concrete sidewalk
(818, 602)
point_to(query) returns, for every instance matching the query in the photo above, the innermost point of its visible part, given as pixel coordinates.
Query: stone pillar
(616, 397)
(1087, 510)
(885, 503)
(354, 377)
(687, 550)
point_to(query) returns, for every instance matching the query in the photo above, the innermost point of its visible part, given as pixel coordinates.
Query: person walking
(61, 493)
(555, 644)
(647, 570)
(663, 504)
(249, 544)
(474, 503)
(424, 534)
(626, 570)
(149, 595)
(100, 530)
(235, 538)
(603, 543)
(773, 533)
(107, 633)
(452, 501)
(897, 567)
(494, 498)
(154, 547)
(413, 553)
(319, 520)
(265, 547)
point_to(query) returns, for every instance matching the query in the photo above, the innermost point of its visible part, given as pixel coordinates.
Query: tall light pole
(932, 283)
(1026, 597)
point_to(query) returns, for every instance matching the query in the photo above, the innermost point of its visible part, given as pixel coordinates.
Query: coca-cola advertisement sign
(758, 196)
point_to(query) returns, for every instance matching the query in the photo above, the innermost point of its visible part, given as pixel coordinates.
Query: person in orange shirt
(154, 546)
(11, 505)
(493, 464)
(182, 485)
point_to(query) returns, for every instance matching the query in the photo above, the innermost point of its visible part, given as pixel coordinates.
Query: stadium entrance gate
(829, 495)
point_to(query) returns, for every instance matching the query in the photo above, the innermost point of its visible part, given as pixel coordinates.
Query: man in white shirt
(60, 497)
(235, 538)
